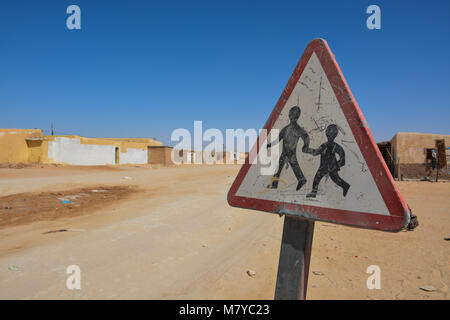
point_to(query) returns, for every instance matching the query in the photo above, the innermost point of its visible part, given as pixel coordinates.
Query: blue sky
(145, 68)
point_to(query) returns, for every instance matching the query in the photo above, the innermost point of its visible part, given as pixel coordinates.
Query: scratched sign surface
(328, 168)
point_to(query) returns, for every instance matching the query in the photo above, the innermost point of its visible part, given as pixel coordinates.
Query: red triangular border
(399, 213)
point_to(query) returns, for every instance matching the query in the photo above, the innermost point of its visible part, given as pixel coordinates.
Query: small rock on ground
(14, 268)
(251, 273)
(428, 288)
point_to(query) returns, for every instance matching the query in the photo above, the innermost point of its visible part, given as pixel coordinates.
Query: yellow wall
(13, 146)
(149, 142)
(410, 147)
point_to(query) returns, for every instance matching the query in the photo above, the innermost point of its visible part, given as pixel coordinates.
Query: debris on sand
(72, 196)
(413, 223)
(14, 268)
(66, 201)
(429, 288)
(54, 231)
(318, 273)
(63, 230)
(20, 165)
(128, 178)
(447, 239)
(251, 273)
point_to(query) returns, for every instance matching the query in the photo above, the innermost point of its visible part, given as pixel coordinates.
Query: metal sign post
(295, 254)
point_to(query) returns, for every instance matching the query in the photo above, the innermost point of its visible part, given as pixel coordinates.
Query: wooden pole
(437, 171)
(295, 254)
(437, 161)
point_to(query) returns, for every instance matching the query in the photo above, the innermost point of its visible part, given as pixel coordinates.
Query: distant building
(160, 155)
(169, 156)
(31, 146)
(410, 155)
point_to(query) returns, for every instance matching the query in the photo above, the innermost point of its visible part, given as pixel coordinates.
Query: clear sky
(145, 68)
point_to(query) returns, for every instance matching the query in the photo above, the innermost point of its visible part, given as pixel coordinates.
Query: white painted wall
(71, 151)
(133, 156)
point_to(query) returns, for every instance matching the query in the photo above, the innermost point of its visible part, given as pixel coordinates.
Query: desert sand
(169, 233)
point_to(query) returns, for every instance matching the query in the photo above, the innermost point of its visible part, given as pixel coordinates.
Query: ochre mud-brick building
(409, 155)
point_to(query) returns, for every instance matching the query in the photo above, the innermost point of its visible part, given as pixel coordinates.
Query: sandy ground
(177, 238)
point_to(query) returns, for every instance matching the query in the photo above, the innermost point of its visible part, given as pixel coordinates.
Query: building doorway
(386, 151)
(117, 155)
(34, 149)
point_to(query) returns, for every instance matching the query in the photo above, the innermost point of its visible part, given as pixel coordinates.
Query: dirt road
(176, 237)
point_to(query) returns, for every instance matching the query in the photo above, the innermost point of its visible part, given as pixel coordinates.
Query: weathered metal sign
(329, 166)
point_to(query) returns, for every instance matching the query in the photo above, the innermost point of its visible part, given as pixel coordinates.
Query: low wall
(72, 151)
(81, 151)
(419, 171)
(133, 156)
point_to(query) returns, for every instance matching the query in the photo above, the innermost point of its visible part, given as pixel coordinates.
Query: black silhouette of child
(290, 135)
(328, 162)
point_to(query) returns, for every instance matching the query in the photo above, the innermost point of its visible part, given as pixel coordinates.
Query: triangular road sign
(329, 167)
